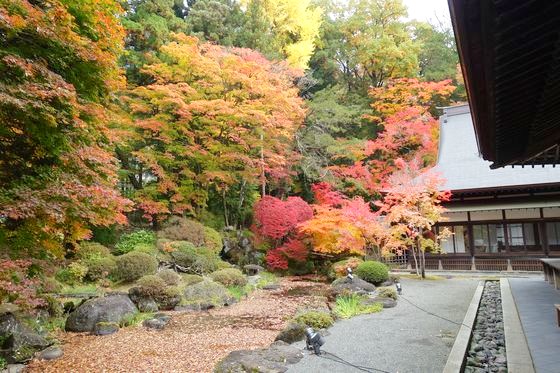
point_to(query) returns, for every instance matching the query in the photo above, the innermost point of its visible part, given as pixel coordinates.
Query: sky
(428, 10)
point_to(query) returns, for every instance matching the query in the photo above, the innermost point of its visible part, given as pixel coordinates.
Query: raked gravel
(401, 339)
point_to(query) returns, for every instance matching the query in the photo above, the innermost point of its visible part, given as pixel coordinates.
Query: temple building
(501, 218)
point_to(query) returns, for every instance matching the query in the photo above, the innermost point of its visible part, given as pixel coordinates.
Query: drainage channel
(487, 349)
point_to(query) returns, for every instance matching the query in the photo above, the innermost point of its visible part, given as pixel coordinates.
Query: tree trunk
(263, 178)
(415, 260)
(422, 259)
(226, 220)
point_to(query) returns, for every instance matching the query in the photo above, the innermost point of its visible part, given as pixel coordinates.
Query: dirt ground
(192, 341)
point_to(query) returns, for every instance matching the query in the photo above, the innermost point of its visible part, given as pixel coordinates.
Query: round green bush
(315, 319)
(128, 242)
(197, 260)
(151, 286)
(213, 240)
(169, 276)
(189, 279)
(372, 272)
(229, 277)
(132, 266)
(90, 249)
(100, 268)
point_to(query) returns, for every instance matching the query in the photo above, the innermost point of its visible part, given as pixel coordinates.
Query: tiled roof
(460, 164)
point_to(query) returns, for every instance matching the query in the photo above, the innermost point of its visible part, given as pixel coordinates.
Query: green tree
(149, 24)
(438, 57)
(368, 41)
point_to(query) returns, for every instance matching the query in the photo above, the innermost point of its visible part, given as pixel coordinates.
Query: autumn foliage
(405, 110)
(277, 221)
(57, 171)
(212, 120)
(340, 226)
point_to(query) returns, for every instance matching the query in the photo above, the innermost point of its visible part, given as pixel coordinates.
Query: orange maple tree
(213, 120)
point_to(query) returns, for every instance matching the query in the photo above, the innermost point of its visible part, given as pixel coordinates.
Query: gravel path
(191, 342)
(401, 339)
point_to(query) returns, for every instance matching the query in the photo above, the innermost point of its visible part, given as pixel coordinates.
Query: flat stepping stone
(51, 353)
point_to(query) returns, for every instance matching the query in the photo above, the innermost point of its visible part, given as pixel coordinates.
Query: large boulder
(113, 308)
(206, 294)
(274, 359)
(19, 343)
(356, 285)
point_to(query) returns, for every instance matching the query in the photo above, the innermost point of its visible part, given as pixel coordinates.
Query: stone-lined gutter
(518, 358)
(456, 358)
(517, 351)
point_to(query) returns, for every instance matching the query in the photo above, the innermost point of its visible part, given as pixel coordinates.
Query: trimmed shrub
(213, 240)
(189, 279)
(229, 277)
(90, 249)
(147, 248)
(73, 274)
(315, 319)
(169, 276)
(206, 293)
(50, 285)
(181, 229)
(372, 272)
(387, 292)
(151, 286)
(129, 242)
(100, 268)
(196, 260)
(339, 268)
(132, 266)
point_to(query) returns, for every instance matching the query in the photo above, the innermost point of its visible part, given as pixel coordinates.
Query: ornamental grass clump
(352, 305)
(315, 319)
(229, 277)
(372, 272)
(132, 266)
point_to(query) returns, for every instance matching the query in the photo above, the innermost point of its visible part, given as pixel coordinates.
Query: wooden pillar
(440, 265)
(473, 264)
(509, 267)
(543, 237)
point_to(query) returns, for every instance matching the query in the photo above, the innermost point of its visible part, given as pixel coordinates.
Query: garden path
(191, 342)
(401, 339)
